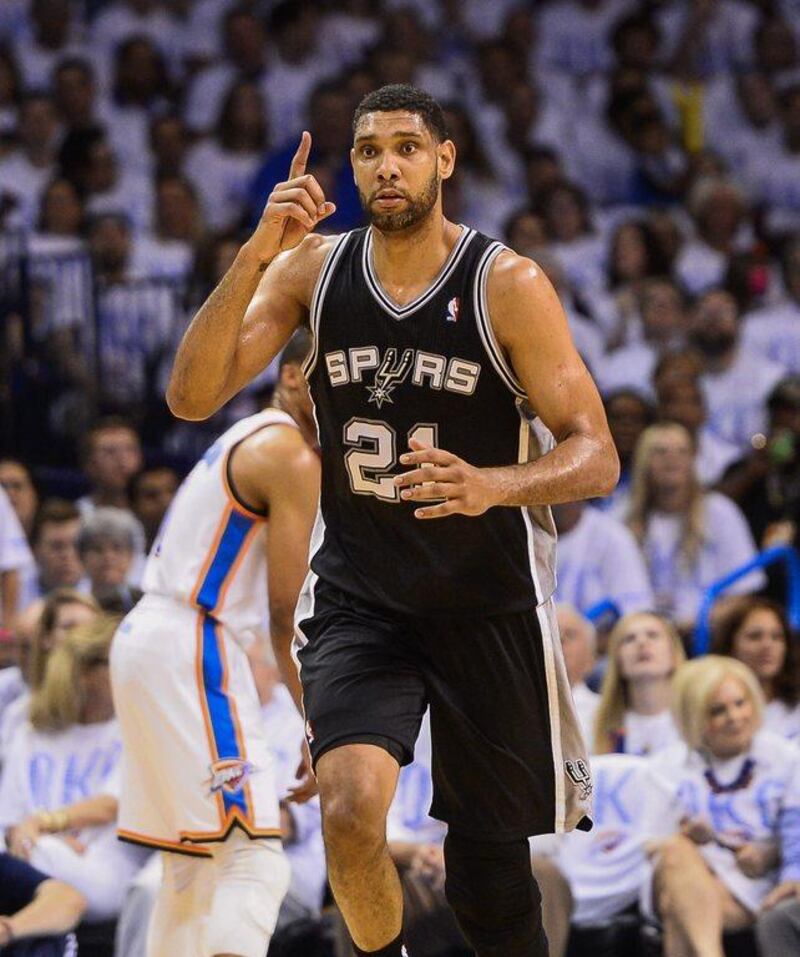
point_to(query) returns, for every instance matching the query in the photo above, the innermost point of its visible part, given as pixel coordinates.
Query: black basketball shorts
(508, 756)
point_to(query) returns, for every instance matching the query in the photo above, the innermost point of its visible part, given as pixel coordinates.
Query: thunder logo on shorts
(228, 775)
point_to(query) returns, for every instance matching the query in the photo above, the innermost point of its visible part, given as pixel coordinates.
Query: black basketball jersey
(380, 373)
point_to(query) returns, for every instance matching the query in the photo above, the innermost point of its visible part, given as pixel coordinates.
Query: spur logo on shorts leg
(580, 776)
(229, 775)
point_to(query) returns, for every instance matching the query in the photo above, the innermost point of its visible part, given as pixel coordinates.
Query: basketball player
(197, 777)
(437, 351)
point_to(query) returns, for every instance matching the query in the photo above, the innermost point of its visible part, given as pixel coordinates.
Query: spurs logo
(580, 776)
(389, 375)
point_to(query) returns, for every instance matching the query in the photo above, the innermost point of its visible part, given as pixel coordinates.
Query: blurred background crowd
(646, 153)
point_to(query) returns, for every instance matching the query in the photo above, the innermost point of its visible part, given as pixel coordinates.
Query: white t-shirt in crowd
(727, 545)
(61, 272)
(157, 258)
(586, 703)
(46, 771)
(728, 37)
(606, 866)
(24, 183)
(782, 719)
(12, 687)
(774, 333)
(644, 734)
(762, 810)
(130, 196)
(699, 266)
(630, 367)
(222, 180)
(736, 398)
(598, 559)
(575, 38)
(775, 182)
(306, 853)
(205, 95)
(713, 457)
(408, 819)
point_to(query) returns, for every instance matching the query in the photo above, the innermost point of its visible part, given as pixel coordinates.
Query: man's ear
(446, 156)
(291, 376)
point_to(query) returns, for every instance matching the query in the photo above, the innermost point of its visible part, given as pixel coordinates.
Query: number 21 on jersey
(372, 455)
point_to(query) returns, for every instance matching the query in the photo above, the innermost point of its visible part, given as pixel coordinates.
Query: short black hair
(297, 348)
(403, 96)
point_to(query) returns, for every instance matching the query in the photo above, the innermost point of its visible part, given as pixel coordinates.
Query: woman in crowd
(634, 255)
(718, 837)
(58, 799)
(629, 413)
(63, 610)
(18, 483)
(633, 715)
(690, 538)
(223, 166)
(756, 632)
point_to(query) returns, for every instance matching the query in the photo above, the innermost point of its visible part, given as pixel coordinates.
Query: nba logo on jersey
(229, 774)
(453, 309)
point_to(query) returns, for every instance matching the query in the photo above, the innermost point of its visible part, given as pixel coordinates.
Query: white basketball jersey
(210, 551)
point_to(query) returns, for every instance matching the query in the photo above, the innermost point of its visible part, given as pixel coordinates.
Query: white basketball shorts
(196, 761)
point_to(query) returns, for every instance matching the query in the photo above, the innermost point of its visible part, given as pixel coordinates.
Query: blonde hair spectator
(643, 496)
(614, 694)
(693, 687)
(61, 700)
(47, 633)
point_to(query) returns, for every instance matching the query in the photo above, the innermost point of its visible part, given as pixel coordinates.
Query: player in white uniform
(197, 775)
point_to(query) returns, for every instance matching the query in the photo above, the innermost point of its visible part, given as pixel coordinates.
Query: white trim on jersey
(490, 343)
(318, 297)
(559, 821)
(307, 598)
(401, 312)
(547, 648)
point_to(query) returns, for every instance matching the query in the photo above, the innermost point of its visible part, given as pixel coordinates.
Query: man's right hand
(293, 210)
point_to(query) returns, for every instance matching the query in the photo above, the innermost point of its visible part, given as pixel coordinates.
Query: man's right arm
(260, 301)
(239, 330)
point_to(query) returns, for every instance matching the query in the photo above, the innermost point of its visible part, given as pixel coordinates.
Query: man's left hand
(437, 475)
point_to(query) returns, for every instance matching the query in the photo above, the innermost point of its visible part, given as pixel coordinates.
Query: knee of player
(353, 818)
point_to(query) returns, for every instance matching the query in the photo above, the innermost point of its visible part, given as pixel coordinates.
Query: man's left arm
(532, 330)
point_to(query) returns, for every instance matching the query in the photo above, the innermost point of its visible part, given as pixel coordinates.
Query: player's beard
(417, 208)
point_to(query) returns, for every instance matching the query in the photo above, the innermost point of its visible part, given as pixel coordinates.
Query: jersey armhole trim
(490, 343)
(227, 479)
(318, 297)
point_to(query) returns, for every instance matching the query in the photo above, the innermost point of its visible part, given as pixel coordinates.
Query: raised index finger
(300, 159)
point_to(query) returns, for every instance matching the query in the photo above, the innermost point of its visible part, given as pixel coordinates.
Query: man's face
(116, 456)
(57, 556)
(682, 402)
(17, 485)
(398, 168)
(74, 92)
(107, 562)
(154, 493)
(576, 643)
(715, 324)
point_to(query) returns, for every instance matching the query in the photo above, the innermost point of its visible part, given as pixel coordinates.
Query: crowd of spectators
(646, 153)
